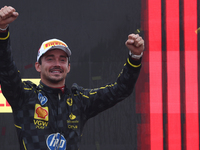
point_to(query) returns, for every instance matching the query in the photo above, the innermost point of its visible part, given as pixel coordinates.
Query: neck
(62, 88)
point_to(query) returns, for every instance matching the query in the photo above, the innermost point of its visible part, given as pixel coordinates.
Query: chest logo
(41, 113)
(72, 117)
(70, 101)
(42, 99)
(56, 141)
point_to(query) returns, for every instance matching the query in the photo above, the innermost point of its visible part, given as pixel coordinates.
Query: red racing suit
(46, 118)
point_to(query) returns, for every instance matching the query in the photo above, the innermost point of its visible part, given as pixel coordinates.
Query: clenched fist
(135, 44)
(7, 15)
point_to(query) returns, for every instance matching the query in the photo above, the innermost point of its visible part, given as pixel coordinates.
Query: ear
(37, 66)
(68, 68)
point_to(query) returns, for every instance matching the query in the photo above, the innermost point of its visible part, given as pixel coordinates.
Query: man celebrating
(51, 116)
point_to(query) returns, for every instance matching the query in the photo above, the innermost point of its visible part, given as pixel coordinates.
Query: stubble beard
(54, 80)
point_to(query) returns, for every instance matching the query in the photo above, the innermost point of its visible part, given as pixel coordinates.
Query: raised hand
(135, 44)
(7, 15)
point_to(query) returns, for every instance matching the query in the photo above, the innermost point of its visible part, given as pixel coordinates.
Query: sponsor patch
(42, 99)
(54, 43)
(56, 141)
(70, 101)
(72, 123)
(41, 113)
(72, 116)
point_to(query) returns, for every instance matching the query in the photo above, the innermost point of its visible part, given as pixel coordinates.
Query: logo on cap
(54, 43)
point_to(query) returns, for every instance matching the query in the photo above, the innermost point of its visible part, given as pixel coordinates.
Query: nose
(57, 62)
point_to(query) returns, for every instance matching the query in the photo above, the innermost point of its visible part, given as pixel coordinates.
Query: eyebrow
(49, 56)
(64, 56)
(54, 55)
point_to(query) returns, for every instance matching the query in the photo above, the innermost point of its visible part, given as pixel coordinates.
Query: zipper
(57, 146)
(59, 96)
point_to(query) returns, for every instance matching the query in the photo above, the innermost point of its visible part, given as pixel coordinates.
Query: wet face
(53, 68)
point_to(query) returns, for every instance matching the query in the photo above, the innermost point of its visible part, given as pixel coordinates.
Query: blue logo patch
(42, 99)
(56, 142)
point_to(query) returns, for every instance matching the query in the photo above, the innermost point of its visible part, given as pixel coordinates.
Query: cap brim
(65, 49)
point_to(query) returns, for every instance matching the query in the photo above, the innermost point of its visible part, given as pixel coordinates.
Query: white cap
(53, 44)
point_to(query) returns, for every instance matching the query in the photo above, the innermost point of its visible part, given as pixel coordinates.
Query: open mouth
(56, 71)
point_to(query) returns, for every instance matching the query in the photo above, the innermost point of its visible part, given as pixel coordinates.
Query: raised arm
(11, 84)
(97, 100)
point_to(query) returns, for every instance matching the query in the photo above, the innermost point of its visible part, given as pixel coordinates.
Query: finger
(131, 36)
(7, 12)
(2, 11)
(135, 37)
(140, 43)
(10, 10)
(15, 14)
(139, 38)
(129, 42)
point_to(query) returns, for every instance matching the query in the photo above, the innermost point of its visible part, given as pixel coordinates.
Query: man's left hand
(135, 44)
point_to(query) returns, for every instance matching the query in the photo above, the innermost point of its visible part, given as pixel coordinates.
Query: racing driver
(49, 115)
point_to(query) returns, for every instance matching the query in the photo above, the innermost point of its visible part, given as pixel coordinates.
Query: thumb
(15, 14)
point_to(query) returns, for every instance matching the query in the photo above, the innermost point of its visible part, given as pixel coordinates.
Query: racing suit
(47, 118)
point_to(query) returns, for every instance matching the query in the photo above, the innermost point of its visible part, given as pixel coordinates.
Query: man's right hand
(7, 15)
